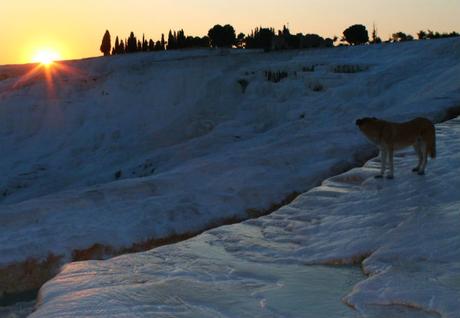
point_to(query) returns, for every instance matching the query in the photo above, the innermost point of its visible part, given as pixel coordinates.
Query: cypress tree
(163, 43)
(145, 44)
(116, 48)
(171, 41)
(181, 39)
(106, 44)
(132, 44)
(122, 49)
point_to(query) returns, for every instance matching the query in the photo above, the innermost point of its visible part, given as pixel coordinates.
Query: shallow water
(309, 291)
(207, 281)
(216, 283)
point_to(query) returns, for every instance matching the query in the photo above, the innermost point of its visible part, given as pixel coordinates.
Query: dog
(389, 137)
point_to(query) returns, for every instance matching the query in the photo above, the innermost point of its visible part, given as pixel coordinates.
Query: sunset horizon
(74, 31)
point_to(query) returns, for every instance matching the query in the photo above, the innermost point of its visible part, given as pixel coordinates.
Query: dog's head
(369, 126)
(360, 121)
(365, 121)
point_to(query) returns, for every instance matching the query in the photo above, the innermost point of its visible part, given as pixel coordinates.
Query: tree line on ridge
(260, 38)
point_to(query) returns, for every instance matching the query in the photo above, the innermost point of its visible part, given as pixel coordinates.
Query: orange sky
(75, 28)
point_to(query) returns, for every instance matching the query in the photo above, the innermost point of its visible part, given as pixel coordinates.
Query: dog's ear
(359, 122)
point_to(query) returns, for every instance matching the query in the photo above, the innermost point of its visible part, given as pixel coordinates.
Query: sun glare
(46, 57)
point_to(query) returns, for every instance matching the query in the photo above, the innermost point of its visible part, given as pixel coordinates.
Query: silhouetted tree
(215, 35)
(205, 41)
(145, 44)
(375, 38)
(158, 46)
(265, 37)
(328, 42)
(132, 44)
(106, 44)
(178, 40)
(171, 41)
(311, 41)
(222, 36)
(356, 34)
(453, 34)
(292, 41)
(163, 43)
(122, 49)
(181, 39)
(240, 40)
(260, 38)
(286, 40)
(116, 47)
(295, 41)
(421, 35)
(229, 36)
(285, 32)
(401, 37)
(192, 42)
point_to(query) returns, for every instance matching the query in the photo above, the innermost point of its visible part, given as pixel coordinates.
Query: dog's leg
(383, 162)
(390, 161)
(424, 151)
(418, 151)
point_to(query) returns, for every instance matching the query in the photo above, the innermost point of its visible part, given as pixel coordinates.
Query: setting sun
(46, 56)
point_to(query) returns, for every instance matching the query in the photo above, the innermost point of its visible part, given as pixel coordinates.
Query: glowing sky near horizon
(75, 28)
